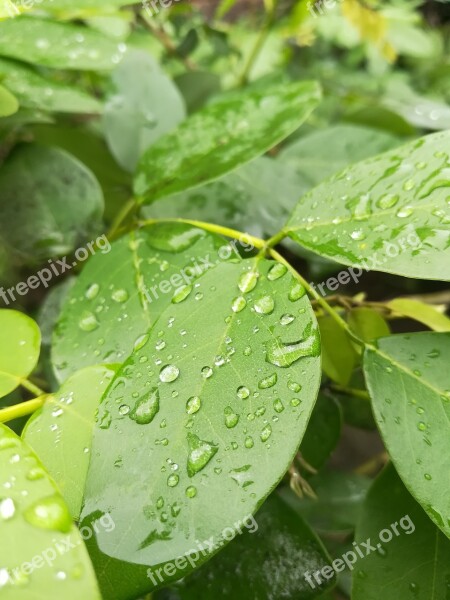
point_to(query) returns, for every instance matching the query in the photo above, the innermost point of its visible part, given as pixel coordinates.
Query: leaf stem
(31, 387)
(127, 208)
(259, 45)
(23, 409)
(361, 394)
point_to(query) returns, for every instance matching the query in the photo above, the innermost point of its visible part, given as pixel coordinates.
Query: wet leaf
(204, 418)
(420, 545)
(41, 548)
(20, 341)
(339, 356)
(409, 382)
(222, 137)
(421, 312)
(388, 213)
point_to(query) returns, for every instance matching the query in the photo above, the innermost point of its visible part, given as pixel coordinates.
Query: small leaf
(224, 422)
(35, 91)
(418, 544)
(146, 105)
(41, 548)
(8, 103)
(409, 382)
(222, 137)
(20, 341)
(389, 213)
(276, 538)
(50, 202)
(421, 312)
(368, 324)
(338, 354)
(67, 417)
(58, 45)
(323, 432)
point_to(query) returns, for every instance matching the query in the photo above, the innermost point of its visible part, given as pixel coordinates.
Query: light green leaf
(120, 295)
(222, 137)
(20, 341)
(58, 45)
(35, 91)
(419, 546)
(8, 103)
(203, 418)
(51, 202)
(388, 213)
(317, 156)
(368, 324)
(421, 312)
(66, 422)
(339, 356)
(42, 552)
(245, 568)
(145, 106)
(409, 382)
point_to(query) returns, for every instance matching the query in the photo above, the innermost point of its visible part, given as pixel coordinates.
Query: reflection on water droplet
(358, 234)
(120, 296)
(247, 281)
(88, 322)
(169, 373)
(231, 418)
(284, 355)
(193, 405)
(207, 372)
(278, 405)
(181, 294)
(295, 402)
(296, 292)
(265, 305)
(92, 291)
(287, 319)
(173, 480)
(7, 508)
(146, 408)
(249, 443)
(124, 409)
(238, 304)
(268, 382)
(243, 392)
(49, 513)
(428, 477)
(191, 491)
(405, 212)
(266, 433)
(388, 201)
(140, 342)
(276, 272)
(200, 454)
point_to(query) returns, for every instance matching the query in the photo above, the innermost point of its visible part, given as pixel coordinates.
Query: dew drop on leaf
(49, 513)
(200, 453)
(276, 272)
(265, 305)
(193, 405)
(146, 408)
(169, 373)
(268, 382)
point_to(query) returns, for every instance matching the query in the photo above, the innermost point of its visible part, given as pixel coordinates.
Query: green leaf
(68, 420)
(409, 382)
(121, 294)
(196, 88)
(58, 45)
(35, 91)
(204, 418)
(415, 563)
(20, 341)
(50, 202)
(388, 213)
(317, 156)
(339, 356)
(145, 106)
(222, 137)
(339, 500)
(421, 312)
(8, 103)
(277, 541)
(323, 433)
(41, 551)
(368, 324)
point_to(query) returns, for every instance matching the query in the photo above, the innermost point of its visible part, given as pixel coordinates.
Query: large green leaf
(50, 202)
(42, 553)
(145, 106)
(415, 564)
(267, 561)
(66, 422)
(204, 418)
(20, 341)
(409, 382)
(120, 295)
(388, 213)
(222, 137)
(58, 45)
(35, 91)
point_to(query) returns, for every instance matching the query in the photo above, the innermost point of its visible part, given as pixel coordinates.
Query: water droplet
(278, 405)
(7, 508)
(243, 392)
(287, 319)
(247, 351)
(169, 373)
(421, 426)
(146, 408)
(405, 212)
(181, 294)
(296, 292)
(266, 433)
(358, 235)
(284, 355)
(276, 272)
(120, 296)
(231, 418)
(88, 322)
(249, 443)
(265, 305)
(173, 480)
(49, 513)
(294, 386)
(160, 345)
(268, 382)
(409, 185)
(140, 342)
(92, 291)
(388, 201)
(207, 372)
(191, 491)
(295, 402)
(428, 477)
(193, 405)
(124, 409)
(247, 281)
(238, 304)
(200, 454)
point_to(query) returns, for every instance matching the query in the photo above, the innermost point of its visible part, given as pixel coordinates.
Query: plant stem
(34, 389)
(362, 394)
(127, 208)
(321, 301)
(22, 410)
(168, 44)
(258, 46)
